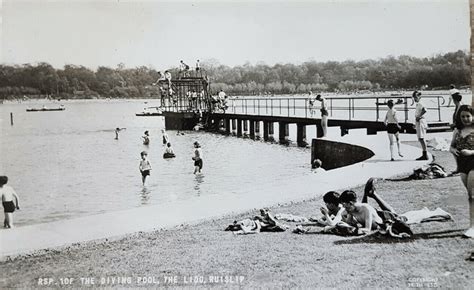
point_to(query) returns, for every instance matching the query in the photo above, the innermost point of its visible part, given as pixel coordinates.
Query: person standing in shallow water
(145, 166)
(146, 138)
(117, 130)
(197, 158)
(8, 194)
(462, 147)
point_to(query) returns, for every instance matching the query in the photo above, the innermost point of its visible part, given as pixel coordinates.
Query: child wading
(8, 194)
(391, 122)
(146, 138)
(197, 158)
(145, 166)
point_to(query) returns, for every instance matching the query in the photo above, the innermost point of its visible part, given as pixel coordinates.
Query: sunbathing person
(245, 227)
(362, 214)
(268, 222)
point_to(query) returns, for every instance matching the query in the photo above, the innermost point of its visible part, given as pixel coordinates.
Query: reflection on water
(145, 195)
(199, 178)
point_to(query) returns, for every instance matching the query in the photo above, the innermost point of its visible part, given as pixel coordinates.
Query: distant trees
(403, 72)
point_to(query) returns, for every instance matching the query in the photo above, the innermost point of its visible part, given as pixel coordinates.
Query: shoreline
(435, 255)
(149, 218)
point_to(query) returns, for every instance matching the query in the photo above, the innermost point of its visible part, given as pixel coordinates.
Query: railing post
(331, 106)
(306, 108)
(271, 106)
(280, 105)
(439, 109)
(377, 109)
(406, 109)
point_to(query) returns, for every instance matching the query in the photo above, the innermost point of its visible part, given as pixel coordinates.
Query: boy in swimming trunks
(146, 138)
(197, 158)
(145, 166)
(8, 194)
(391, 122)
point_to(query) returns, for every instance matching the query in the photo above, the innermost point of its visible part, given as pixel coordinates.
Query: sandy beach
(205, 255)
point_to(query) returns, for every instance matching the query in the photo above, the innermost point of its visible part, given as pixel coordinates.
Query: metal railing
(300, 107)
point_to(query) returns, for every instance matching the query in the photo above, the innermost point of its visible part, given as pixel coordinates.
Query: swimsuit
(392, 128)
(465, 163)
(8, 206)
(145, 173)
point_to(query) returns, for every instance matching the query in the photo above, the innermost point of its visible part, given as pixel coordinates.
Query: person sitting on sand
(317, 166)
(8, 194)
(268, 222)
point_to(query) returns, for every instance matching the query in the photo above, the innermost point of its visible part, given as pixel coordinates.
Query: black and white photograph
(236, 144)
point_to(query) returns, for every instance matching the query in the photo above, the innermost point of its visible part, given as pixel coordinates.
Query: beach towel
(425, 215)
(291, 218)
(438, 144)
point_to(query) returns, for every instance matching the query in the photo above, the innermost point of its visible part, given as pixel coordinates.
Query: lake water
(68, 164)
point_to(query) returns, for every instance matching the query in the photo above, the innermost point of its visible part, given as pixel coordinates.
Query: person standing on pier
(197, 158)
(420, 124)
(462, 147)
(391, 122)
(324, 114)
(311, 100)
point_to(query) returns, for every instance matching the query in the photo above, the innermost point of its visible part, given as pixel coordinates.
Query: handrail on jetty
(300, 107)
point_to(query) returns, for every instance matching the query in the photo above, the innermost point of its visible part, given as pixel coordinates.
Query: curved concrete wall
(337, 154)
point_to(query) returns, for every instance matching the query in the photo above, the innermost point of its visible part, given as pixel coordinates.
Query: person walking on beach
(420, 124)
(144, 166)
(197, 158)
(146, 138)
(8, 195)
(324, 114)
(462, 147)
(117, 130)
(391, 122)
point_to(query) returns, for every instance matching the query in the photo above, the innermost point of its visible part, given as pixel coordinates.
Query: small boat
(44, 109)
(150, 111)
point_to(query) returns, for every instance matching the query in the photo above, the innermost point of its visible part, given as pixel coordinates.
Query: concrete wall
(337, 154)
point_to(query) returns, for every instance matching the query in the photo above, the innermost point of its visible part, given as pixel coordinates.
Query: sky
(159, 34)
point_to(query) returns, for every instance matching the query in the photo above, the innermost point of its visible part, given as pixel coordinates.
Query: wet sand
(195, 254)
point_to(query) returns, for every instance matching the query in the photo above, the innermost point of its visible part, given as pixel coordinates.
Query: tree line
(390, 73)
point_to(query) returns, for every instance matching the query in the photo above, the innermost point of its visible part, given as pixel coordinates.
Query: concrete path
(28, 239)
